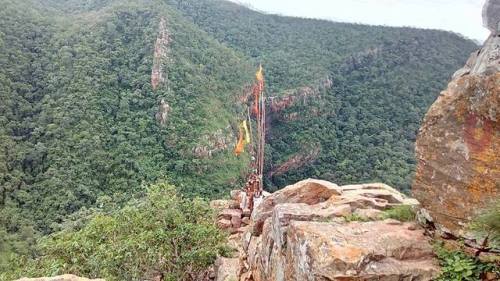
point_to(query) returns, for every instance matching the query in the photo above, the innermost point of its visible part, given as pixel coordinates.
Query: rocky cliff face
(458, 145)
(316, 230)
(160, 55)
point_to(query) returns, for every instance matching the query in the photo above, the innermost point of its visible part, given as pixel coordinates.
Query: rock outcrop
(317, 230)
(457, 149)
(160, 55)
(491, 15)
(66, 277)
(163, 111)
(226, 269)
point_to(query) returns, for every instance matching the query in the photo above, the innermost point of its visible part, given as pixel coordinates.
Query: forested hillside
(77, 115)
(363, 127)
(80, 126)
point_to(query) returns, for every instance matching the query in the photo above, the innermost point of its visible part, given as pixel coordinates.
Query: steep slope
(77, 116)
(100, 97)
(380, 81)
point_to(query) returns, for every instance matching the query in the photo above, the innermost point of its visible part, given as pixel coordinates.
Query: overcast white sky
(461, 16)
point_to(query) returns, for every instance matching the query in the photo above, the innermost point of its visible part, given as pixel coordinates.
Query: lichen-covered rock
(310, 191)
(379, 250)
(457, 148)
(66, 277)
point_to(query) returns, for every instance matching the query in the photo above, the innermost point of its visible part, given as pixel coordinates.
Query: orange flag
(257, 89)
(240, 146)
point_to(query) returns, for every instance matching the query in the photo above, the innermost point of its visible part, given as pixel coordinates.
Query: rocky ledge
(317, 230)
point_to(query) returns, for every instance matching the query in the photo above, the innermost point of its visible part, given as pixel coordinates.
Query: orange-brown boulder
(458, 145)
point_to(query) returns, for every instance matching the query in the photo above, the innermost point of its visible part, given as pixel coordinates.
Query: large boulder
(457, 149)
(310, 191)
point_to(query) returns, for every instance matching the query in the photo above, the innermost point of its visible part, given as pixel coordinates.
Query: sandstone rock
(224, 224)
(226, 269)
(228, 214)
(379, 191)
(458, 169)
(486, 61)
(235, 194)
(310, 240)
(66, 277)
(300, 233)
(491, 15)
(160, 55)
(236, 221)
(308, 191)
(245, 221)
(219, 205)
(357, 251)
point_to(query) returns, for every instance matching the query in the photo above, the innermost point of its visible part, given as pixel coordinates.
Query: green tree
(164, 233)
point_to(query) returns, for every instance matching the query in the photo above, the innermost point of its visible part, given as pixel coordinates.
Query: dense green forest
(78, 132)
(384, 79)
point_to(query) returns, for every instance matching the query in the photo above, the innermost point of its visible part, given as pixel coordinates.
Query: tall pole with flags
(261, 128)
(255, 183)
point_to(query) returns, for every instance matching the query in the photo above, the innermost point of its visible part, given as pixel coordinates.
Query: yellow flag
(247, 134)
(259, 75)
(240, 146)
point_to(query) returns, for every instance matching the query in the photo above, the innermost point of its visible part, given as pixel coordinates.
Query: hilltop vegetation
(78, 134)
(163, 234)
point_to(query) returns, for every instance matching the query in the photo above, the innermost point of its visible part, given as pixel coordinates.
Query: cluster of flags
(244, 137)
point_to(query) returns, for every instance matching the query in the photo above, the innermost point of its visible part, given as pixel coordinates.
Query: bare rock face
(458, 169)
(491, 15)
(160, 55)
(302, 232)
(486, 61)
(457, 149)
(308, 191)
(162, 114)
(66, 277)
(379, 250)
